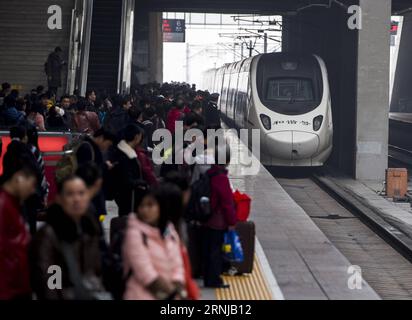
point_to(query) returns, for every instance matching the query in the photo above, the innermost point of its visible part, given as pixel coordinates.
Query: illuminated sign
(394, 28)
(174, 30)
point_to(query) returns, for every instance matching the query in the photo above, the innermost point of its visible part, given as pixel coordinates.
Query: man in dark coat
(118, 118)
(93, 150)
(212, 113)
(53, 68)
(129, 184)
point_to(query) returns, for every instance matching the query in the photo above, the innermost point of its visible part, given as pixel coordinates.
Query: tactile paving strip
(246, 287)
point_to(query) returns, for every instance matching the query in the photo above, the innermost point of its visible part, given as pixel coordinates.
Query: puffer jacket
(221, 200)
(174, 115)
(14, 241)
(148, 255)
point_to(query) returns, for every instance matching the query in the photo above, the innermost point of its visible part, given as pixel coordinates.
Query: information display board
(174, 30)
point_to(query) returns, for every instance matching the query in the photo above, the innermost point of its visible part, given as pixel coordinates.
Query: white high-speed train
(284, 95)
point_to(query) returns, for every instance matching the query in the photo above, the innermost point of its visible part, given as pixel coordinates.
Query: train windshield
(289, 90)
(289, 84)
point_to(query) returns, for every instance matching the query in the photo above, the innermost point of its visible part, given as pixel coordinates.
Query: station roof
(247, 6)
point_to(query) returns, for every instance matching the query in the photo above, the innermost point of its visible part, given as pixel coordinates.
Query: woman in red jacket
(223, 218)
(18, 183)
(175, 114)
(146, 165)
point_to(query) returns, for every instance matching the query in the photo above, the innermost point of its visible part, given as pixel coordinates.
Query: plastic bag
(243, 204)
(232, 247)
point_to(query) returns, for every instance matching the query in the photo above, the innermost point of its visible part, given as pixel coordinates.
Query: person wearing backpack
(152, 259)
(203, 162)
(222, 218)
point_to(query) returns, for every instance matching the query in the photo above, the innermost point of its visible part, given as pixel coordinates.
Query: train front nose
(292, 145)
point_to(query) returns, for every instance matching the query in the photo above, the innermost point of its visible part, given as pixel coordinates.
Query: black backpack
(199, 208)
(116, 280)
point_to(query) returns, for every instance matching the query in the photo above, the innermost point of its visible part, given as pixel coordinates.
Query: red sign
(174, 30)
(394, 27)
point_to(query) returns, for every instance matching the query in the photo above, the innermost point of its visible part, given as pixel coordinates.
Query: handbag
(84, 289)
(242, 203)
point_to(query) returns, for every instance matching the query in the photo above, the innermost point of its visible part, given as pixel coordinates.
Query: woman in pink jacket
(151, 253)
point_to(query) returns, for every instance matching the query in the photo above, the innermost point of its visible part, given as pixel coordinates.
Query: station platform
(294, 260)
(302, 262)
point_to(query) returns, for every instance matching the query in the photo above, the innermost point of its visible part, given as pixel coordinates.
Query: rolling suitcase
(247, 232)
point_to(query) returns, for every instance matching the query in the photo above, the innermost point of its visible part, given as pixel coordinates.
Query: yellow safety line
(246, 287)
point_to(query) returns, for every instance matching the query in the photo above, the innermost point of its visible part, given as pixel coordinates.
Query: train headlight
(266, 121)
(317, 123)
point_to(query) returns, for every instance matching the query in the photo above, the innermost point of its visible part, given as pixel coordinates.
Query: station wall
(402, 93)
(26, 41)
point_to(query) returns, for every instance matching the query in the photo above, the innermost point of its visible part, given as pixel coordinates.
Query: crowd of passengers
(149, 103)
(60, 250)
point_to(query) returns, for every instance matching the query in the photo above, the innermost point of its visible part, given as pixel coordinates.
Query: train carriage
(284, 95)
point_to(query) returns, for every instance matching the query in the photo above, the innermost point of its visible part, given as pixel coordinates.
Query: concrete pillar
(402, 93)
(155, 47)
(147, 63)
(373, 90)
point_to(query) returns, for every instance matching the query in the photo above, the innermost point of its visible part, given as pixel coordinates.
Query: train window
(289, 90)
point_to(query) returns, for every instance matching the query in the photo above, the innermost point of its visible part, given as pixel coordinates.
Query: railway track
(399, 157)
(386, 270)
